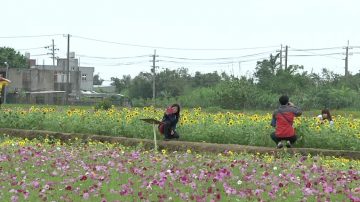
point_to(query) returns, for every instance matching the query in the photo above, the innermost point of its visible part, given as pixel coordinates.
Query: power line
(31, 48)
(213, 63)
(226, 58)
(170, 48)
(30, 36)
(40, 54)
(115, 64)
(315, 49)
(112, 58)
(317, 54)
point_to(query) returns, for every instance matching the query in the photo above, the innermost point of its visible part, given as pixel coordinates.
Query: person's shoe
(288, 144)
(280, 145)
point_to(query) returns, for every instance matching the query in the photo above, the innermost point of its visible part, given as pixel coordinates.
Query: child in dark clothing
(170, 119)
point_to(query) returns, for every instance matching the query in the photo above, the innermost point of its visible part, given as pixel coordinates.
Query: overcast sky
(176, 28)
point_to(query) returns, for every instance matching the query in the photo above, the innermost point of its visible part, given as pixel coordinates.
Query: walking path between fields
(178, 145)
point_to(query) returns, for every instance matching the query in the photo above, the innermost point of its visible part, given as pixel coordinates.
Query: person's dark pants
(292, 139)
(167, 132)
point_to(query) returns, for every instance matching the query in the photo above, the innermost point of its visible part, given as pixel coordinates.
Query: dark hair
(284, 99)
(327, 112)
(178, 112)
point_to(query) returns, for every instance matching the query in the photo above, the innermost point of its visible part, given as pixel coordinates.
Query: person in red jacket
(282, 120)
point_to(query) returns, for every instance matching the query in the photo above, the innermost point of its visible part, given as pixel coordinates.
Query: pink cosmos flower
(86, 195)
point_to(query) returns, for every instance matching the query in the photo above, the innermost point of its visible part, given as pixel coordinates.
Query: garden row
(195, 125)
(47, 169)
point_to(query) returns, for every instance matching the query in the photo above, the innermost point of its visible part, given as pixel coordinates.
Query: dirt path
(179, 145)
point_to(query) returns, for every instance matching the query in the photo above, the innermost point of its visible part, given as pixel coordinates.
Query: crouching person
(282, 120)
(170, 119)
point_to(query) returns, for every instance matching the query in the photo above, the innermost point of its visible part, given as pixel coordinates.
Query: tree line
(261, 91)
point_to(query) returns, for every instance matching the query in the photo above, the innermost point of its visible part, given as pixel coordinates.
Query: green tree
(121, 85)
(206, 80)
(171, 83)
(236, 94)
(265, 72)
(97, 80)
(13, 58)
(141, 86)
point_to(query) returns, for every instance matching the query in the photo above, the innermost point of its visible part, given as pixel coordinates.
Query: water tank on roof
(72, 54)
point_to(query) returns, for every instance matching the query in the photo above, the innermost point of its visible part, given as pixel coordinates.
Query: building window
(83, 77)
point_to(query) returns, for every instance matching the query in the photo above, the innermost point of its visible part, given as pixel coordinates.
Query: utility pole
(67, 71)
(78, 81)
(286, 56)
(52, 53)
(347, 60)
(281, 56)
(154, 101)
(154, 76)
(239, 70)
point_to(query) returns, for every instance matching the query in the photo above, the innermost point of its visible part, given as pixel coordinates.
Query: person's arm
(173, 121)
(4, 79)
(296, 110)
(273, 120)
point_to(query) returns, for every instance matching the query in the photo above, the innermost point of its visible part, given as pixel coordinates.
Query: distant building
(44, 80)
(105, 87)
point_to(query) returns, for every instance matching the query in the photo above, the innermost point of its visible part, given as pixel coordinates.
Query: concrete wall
(16, 78)
(85, 75)
(30, 79)
(46, 98)
(86, 78)
(42, 80)
(50, 78)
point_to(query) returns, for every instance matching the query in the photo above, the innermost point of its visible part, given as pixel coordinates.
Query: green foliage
(97, 80)
(200, 97)
(121, 85)
(72, 170)
(269, 81)
(206, 80)
(13, 58)
(197, 125)
(104, 104)
(141, 86)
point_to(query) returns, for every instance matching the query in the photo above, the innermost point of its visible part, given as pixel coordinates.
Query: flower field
(195, 125)
(38, 170)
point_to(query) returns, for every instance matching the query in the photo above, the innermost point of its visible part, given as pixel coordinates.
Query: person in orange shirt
(3, 82)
